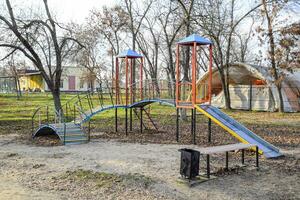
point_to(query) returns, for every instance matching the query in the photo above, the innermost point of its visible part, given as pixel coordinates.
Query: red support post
(194, 73)
(126, 81)
(210, 74)
(177, 75)
(141, 79)
(131, 81)
(117, 81)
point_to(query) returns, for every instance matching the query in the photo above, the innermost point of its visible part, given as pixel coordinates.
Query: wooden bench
(226, 148)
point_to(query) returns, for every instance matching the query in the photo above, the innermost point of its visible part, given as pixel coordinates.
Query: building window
(89, 84)
(61, 83)
(81, 83)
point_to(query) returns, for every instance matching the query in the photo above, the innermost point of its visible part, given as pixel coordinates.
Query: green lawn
(16, 114)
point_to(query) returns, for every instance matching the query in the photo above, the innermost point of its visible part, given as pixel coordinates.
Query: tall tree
(149, 42)
(171, 25)
(110, 23)
(38, 40)
(187, 11)
(91, 57)
(270, 11)
(218, 20)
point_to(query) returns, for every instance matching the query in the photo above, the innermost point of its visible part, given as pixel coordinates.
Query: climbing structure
(189, 95)
(130, 91)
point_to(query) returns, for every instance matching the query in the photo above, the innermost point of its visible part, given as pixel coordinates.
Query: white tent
(252, 87)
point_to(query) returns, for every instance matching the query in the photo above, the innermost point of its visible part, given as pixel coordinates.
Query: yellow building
(31, 80)
(74, 78)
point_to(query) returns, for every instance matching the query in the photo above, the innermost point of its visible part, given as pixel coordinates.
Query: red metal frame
(141, 78)
(177, 75)
(126, 81)
(194, 100)
(210, 73)
(117, 82)
(129, 93)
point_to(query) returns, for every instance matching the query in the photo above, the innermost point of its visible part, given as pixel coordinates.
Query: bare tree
(187, 11)
(171, 25)
(270, 10)
(149, 42)
(91, 57)
(38, 40)
(241, 49)
(110, 23)
(218, 20)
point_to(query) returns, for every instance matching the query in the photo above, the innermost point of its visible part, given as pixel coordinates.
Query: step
(75, 142)
(77, 130)
(61, 126)
(83, 138)
(73, 138)
(72, 134)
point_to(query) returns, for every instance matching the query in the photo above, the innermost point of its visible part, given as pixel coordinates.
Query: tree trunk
(272, 55)
(56, 98)
(225, 90)
(281, 103)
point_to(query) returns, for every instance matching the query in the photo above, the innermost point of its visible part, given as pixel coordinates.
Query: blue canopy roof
(129, 53)
(195, 38)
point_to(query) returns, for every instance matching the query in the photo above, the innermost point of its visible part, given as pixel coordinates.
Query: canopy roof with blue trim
(130, 54)
(194, 38)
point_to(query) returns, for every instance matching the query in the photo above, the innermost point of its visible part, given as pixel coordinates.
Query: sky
(66, 10)
(77, 10)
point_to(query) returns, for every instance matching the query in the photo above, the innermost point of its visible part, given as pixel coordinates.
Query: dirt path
(32, 172)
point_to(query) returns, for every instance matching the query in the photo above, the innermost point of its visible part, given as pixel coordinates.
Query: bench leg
(227, 155)
(243, 156)
(207, 166)
(257, 157)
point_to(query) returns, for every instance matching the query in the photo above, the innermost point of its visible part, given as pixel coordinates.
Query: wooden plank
(225, 148)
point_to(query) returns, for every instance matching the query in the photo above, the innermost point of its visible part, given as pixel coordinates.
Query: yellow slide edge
(234, 134)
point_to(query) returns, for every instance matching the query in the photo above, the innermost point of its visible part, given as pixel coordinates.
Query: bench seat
(225, 148)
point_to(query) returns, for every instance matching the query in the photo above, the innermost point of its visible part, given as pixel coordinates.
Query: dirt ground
(114, 169)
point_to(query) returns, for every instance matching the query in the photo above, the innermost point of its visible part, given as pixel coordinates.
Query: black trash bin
(189, 163)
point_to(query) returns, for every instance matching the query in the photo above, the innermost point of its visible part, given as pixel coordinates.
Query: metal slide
(238, 130)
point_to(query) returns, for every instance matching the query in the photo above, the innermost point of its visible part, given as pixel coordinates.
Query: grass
(17, 113)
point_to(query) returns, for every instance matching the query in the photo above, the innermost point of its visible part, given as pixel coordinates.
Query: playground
(122, 141)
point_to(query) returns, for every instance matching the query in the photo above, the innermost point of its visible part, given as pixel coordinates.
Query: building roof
(194, 38)
(28, 72)
(130, 54)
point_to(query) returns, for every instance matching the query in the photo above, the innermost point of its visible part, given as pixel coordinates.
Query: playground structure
(134, 93)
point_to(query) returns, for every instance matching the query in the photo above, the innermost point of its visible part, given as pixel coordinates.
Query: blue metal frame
(136, 104)
(46, 126)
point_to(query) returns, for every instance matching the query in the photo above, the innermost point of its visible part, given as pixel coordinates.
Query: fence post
(89, 136)
(66, 117)
(74, 113)
(47, 115)
(64, 133)
(250, 96)
(32, 125)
